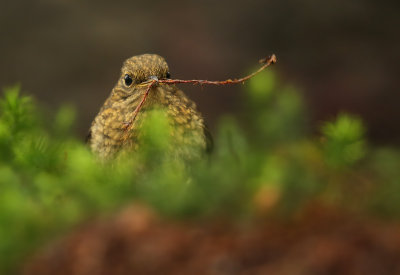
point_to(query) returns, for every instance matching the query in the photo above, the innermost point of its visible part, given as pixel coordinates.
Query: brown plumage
(108, 133)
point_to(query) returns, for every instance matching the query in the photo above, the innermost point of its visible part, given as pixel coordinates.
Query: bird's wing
(209, 140)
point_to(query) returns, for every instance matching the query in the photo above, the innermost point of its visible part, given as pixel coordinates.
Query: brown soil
(137, 242)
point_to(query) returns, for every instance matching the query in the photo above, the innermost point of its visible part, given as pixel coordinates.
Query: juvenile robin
(117, 127)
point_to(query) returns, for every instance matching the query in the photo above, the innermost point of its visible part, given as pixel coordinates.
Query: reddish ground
(137, 242)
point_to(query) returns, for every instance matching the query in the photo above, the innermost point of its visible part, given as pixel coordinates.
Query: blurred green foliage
(49, 181)
(344, 144)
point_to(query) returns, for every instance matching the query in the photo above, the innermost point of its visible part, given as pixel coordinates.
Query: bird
(117, 127)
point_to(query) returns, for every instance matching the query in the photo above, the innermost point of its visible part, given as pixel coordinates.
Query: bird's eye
(168, 75)
(128, 80)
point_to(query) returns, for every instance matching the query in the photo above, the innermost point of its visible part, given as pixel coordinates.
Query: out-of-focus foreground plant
(49, 181)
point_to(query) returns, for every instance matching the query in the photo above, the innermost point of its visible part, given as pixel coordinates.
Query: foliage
(50, 181)
(344, 143)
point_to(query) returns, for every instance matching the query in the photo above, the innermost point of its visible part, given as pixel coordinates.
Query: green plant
(49, 181)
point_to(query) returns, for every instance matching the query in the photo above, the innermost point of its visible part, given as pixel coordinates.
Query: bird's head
(140, 69)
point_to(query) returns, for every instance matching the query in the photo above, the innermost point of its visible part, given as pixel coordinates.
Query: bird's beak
(152, 79)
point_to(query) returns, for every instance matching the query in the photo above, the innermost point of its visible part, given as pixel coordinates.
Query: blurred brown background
(343, 55)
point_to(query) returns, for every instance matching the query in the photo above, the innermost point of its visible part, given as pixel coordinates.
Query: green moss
(344, 141)
(50, 181)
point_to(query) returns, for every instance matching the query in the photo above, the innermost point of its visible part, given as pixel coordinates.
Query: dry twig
(154, 82)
